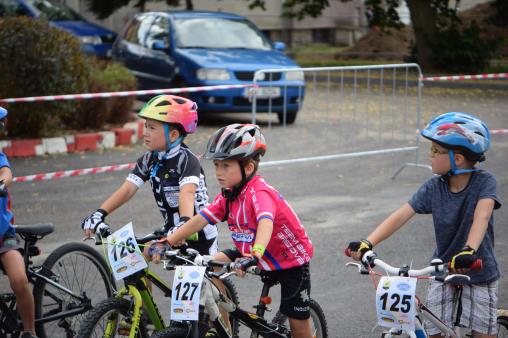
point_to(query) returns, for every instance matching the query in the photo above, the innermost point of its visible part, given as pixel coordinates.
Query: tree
(433, 21)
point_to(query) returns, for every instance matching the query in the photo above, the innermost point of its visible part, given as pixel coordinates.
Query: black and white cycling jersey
(167, 173)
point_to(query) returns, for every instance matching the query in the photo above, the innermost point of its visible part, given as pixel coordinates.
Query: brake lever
(361, 268)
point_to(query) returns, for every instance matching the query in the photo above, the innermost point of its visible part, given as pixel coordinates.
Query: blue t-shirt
(5, 212)
(453, 213)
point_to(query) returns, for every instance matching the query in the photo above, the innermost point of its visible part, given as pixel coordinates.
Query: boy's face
(439, 159)
(228, 173)
(154, 137)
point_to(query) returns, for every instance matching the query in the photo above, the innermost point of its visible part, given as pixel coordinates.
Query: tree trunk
(424, 20)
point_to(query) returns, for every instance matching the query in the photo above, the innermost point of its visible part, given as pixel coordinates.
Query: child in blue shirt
(461, 199)
(10, 258)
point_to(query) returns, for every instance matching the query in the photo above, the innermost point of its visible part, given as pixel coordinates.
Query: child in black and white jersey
(175, 174)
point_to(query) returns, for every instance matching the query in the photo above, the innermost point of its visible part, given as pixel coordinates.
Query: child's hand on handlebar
(463, 260)
(357, 249)
(157, 250)
(241, 264)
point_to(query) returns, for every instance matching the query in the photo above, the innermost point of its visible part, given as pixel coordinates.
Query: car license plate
(262, 92)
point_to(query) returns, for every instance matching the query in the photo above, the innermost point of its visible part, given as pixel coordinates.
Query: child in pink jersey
(264, 228)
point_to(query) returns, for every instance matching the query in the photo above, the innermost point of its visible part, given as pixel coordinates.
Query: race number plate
(395, 302)
(186, 292)
(262, 92)
(124, 255)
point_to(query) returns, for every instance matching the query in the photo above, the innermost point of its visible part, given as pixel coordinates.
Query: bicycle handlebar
(192, 256)
(370, 259)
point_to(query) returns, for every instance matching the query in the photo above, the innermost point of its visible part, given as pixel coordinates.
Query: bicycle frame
(32, 273)
(211, 298)
(370, 259)
(136, 287)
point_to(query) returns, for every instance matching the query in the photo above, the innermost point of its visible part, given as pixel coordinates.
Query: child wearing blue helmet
(11, 260)
(461, 199)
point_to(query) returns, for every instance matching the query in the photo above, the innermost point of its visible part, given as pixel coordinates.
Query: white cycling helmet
(236, 142)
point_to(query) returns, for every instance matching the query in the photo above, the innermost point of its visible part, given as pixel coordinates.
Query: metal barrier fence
(345, 111)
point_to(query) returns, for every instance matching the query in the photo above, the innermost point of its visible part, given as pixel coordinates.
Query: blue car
(199, 48)
(95, 39)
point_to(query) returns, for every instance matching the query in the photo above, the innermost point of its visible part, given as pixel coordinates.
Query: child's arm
(119, 197)
(391, 224)
(96, 220)
(186, 200)
(463, 260)
(482, 214)
(384, 230)
(195, 224)
(263, 236)
(6, 175)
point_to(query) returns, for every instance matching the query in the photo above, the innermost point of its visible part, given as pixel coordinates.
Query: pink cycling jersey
(289, 245)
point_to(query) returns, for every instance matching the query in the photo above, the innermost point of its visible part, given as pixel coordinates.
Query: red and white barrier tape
(77, 172)
(498, 131)
(125, 93)
(466, 77)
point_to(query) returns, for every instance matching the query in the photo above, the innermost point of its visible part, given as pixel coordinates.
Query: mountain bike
(402, 310)
(67, 285)
(211, 299)
(132, 311)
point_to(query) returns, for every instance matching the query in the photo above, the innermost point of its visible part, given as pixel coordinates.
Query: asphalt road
(337, 200)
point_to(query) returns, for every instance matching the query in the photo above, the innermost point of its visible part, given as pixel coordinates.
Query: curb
(130, 133)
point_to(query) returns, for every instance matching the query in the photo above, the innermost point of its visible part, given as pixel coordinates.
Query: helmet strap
(454, 170)
(171, 145)
(231, 194)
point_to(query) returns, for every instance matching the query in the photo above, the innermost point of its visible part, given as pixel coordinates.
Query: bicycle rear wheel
(79, 268)
(319, 326)
(502, 326)
(111, 316)
(172, 332)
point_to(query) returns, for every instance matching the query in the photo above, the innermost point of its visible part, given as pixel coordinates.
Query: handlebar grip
(347, 252)
(477, 265)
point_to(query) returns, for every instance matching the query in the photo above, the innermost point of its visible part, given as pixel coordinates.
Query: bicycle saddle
(34, 229)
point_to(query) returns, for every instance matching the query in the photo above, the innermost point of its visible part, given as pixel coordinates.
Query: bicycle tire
(317, 317)
(232, 294)
(502, 326)
(79, 268)
(104, 310)
(172, 332)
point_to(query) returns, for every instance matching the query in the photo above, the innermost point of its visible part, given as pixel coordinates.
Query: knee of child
(18, 282)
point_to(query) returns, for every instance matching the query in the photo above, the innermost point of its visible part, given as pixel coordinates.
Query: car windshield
(55, 11)
(219, 33)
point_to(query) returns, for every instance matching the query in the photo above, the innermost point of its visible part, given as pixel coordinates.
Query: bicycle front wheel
(502, 326)
(318, 324)
(80, 269)
(110, 318)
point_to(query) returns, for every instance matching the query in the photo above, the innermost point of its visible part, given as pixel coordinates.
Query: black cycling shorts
(204, 247)
(294, 286)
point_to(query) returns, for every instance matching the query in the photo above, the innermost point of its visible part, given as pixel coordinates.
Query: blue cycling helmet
(3, 113)
(459, 131)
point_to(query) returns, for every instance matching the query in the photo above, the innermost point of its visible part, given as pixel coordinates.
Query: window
(138, 29)
(159, 31)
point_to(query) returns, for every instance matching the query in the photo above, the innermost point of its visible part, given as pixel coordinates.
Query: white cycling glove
(95, 221)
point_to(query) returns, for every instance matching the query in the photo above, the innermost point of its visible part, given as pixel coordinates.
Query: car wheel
(290, 116)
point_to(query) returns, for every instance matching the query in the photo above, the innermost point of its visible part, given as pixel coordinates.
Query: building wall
(345, 20)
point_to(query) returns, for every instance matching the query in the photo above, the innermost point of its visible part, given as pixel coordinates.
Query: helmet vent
(163, 103)
(179, 101)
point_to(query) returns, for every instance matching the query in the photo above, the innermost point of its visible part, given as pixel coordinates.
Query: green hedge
(37, 59)
(105, 76)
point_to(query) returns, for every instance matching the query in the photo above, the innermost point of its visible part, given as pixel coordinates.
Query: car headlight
(296, 75)
(91, 39)
(212, 74)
